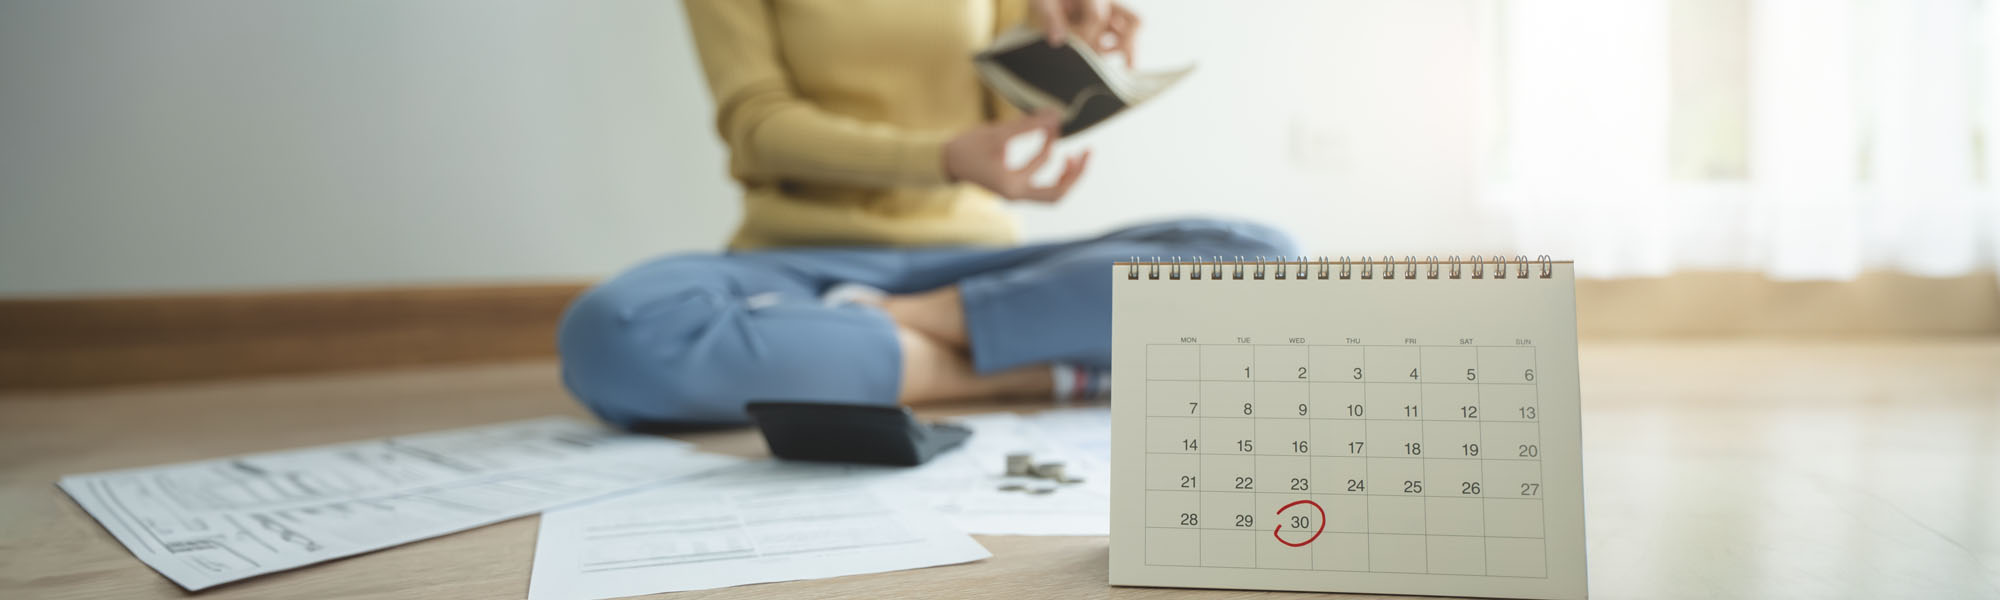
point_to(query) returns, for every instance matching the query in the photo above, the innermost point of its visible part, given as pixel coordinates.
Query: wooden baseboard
(1747, 304)
(76, 342)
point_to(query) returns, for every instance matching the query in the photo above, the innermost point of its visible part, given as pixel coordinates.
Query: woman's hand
(1106, 26)
(980, 156)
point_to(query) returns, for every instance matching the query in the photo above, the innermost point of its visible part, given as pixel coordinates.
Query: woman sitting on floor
(874, 263)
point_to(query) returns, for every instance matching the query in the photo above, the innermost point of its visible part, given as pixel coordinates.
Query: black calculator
(852, 433)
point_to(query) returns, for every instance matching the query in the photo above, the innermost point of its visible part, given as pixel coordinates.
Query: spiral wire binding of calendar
(1303, 268)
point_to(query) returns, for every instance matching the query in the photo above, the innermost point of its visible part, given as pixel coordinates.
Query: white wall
(1353, 123)
(228, 144)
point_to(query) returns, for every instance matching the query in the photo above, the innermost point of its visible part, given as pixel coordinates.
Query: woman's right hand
(1105, 25)
(979, 155)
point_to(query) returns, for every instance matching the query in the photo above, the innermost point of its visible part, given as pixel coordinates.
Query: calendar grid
(1224, 536)
(1373, 571)
(1407, 383)
(1314, 550)
(1367, 474)
(1173, 529)
(1427, 502)
(1539, 471)
(1481, 395)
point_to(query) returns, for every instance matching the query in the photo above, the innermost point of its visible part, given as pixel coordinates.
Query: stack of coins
(1022, 464)
(1019, 464)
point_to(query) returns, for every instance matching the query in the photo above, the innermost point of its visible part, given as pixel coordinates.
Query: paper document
(965, 484)
(211, 522)
(1085, 430)
(756, 523)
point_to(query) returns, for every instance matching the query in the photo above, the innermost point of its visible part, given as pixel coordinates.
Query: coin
(1020, 464)
(1052, 470)
(1012, 487)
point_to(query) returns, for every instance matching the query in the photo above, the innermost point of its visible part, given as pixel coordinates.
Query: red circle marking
(1322, 524)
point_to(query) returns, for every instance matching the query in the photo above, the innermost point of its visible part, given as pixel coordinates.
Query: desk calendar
(1390, 427)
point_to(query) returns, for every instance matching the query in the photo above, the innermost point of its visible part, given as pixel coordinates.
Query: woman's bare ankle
(934, 372)
(1025, 382)
(938, 313)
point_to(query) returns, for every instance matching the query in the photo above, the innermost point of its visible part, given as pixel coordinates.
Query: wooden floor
(1712, 470)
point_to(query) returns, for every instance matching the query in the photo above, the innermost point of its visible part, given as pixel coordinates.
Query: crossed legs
(690, 339)
(930, 326)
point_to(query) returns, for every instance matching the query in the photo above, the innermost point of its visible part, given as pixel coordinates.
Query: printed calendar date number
(1299, 523)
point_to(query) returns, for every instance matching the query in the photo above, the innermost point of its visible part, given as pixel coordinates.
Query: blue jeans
(690, 339)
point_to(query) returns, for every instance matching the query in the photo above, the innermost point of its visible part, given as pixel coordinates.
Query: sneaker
(1077, 383)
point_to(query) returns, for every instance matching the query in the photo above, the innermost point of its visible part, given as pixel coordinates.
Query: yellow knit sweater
(836, 113)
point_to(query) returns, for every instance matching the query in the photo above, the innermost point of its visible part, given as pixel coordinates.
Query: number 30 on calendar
(1300, 522)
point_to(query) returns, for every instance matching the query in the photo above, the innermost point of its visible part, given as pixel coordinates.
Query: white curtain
(1870, 130)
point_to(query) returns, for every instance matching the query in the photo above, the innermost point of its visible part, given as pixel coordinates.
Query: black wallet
(854, 433)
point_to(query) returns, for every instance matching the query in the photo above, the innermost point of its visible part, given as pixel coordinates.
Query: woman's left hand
(1108, 27)
(979, 155)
